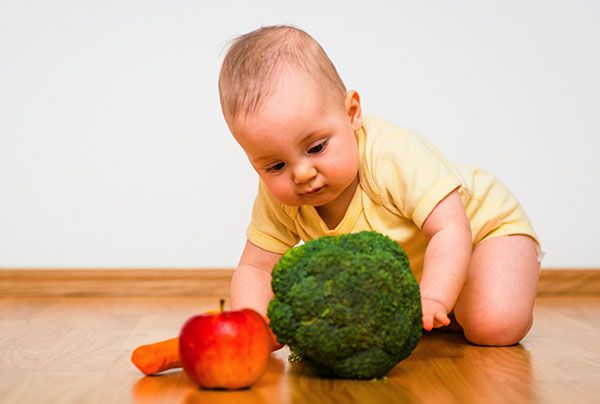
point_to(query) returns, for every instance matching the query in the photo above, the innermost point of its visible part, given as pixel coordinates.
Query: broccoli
(348, 306)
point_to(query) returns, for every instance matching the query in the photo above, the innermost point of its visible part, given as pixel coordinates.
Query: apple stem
(222, 303)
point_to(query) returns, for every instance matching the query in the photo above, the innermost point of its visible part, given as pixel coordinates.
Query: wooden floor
(76, 350)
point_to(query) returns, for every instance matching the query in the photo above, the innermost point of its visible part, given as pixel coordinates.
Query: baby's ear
(353, 109)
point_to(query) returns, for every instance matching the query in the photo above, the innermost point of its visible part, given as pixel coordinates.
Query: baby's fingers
(440, 319)
(428, 322)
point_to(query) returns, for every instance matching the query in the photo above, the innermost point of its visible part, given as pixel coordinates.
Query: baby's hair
(255, 60)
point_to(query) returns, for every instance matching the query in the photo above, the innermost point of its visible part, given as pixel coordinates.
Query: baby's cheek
(282, 191)
(348, 168)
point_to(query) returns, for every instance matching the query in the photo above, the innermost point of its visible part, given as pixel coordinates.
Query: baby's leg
(495, 306)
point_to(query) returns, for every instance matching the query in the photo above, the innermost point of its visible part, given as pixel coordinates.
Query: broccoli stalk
(348, 305)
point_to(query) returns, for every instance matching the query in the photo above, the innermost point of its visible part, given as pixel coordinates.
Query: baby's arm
(446, 259)
(251, 281)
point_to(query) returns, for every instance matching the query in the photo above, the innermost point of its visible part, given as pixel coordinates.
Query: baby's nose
(304, 173)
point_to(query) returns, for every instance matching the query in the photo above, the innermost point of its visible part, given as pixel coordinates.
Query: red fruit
(228, 350)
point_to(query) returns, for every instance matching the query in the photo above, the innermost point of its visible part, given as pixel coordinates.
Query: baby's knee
(497, 329)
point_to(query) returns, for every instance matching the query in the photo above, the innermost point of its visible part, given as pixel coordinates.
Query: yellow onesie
(402, 178)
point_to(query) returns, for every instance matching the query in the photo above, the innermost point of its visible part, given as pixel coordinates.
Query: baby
(327, 169)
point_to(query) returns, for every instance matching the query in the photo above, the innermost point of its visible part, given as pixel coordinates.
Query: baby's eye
(317, 148)
(274, 168)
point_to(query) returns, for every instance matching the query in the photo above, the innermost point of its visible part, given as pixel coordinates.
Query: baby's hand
(434, 314)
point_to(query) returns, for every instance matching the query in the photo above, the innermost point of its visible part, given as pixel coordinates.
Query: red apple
(227, 349)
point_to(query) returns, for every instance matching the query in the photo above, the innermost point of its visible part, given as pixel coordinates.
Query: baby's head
(256, 62)
(286, 105)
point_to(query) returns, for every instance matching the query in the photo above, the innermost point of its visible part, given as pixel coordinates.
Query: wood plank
(207, 282)
(76, 350)
(114, 282)
(569, 282)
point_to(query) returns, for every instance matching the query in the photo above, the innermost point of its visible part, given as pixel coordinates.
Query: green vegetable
(348, 305)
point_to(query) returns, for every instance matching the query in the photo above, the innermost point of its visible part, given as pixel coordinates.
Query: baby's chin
(319, 199)
(316, 200)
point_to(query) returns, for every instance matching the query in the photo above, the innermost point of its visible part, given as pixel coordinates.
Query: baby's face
(301, 143)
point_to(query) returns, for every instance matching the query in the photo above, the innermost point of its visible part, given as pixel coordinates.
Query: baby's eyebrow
(262, 160)
(315, 133)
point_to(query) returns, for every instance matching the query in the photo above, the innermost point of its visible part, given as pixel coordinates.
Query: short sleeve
(271, 226)
(412, 174)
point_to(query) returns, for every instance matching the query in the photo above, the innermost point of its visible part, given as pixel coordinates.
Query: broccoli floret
(348, 305)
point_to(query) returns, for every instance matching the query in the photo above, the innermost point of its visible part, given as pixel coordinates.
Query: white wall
(113, 151)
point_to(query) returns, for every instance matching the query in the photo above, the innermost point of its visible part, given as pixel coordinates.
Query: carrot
(160, 356)
(156, 357)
